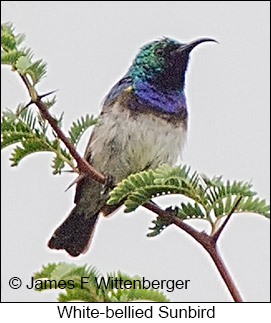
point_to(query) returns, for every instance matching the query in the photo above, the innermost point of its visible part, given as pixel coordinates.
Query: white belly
(123, 144)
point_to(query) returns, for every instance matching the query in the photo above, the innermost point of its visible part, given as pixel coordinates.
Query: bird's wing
(124, 84)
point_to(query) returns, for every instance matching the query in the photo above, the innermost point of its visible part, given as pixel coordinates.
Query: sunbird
(142, 124)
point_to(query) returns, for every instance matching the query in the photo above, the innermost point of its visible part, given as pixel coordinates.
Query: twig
(217, 234)
(82, 164)
(220, 265)
(208, 243)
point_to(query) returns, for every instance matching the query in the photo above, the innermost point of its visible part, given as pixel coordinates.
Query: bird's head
(163, 63)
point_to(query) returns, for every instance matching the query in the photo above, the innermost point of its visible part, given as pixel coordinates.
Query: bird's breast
(125, 142)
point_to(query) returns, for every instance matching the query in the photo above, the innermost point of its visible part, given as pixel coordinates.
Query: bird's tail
(75, 233)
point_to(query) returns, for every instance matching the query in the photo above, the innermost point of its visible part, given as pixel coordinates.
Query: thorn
(153, 202)
(25, 107)
(46, 94)
(77, 180)
(28, 104)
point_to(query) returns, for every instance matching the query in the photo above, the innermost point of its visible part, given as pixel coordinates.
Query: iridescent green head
(163, 63)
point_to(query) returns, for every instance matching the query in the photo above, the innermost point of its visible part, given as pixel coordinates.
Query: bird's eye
(159, 51)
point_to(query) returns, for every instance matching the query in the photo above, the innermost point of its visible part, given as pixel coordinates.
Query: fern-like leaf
(92, 290)
(8, 40)
(79, 127)
(191, 210)
(160, 224)
(217, 197)
(14, 130)
(36, 71)
(143, 195)
(254, 205)
(59, 160)
(58, 164)
(19, 58)
(208, 195)
(141, 187)
(46, 271)
(133, 293)
(29, 130)
(29, 146)
(130, 185)
(11, 57)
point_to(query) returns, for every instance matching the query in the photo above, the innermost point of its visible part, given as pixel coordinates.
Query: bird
(142, 124)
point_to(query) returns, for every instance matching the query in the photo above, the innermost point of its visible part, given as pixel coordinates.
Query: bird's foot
(108, 185)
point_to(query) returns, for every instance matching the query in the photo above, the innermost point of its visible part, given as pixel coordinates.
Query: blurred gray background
(88, 46)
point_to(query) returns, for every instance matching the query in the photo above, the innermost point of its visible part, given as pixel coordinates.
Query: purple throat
(169, 102)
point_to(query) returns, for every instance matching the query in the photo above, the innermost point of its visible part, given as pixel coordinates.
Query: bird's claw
(108, 185)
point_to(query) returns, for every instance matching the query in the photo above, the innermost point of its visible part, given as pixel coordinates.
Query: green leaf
(46, 271)
(61, 270)
(8, 40)
(208, 195)
(50, 103)
(14, 131)
(36, 71)
(22, 64)
(11, 57)
(160, 224)
(130, 185)
(29, 129)
(89, 291)
(58, 164)
(139, 188)
(79, 127)
(29, 146)
(218, 197)
(60, 159)
(254, 205)
(19, 58)
(143, 195)
(191, 210)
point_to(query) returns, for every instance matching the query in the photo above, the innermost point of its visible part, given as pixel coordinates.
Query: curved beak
(189, 46)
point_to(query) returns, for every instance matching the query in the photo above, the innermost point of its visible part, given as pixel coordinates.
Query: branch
(83, 166)
(220, 265)
(207, 242)
(217, 234)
